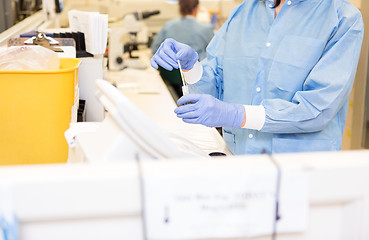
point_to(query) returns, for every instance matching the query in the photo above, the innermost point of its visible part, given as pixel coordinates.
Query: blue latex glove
(206, 110)
(170, 51)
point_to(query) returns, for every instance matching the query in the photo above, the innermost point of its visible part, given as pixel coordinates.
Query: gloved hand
(209, 111)
(170, 51)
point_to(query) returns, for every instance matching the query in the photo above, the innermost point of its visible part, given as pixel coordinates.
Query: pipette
(184, 87)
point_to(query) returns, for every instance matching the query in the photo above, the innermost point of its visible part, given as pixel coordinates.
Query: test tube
(184, 84)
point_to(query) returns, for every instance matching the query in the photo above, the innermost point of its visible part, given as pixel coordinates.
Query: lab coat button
(258, 89)
(270, 5)
(251, 136)
(289, 3)
(268, 44)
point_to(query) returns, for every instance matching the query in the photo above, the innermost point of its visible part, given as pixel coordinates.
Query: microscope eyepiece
(146, 14)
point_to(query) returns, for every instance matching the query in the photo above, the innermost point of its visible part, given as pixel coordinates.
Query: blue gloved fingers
(194, 109)
(153, 63)
(191, 120)
(188, 58)
(165, 56)
(191, 114)
(185, 54)
(186, 108)
(159, 61)
(189, 98)
(167, 53)
(170, 51)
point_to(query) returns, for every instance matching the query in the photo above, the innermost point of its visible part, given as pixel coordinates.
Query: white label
(222, 205)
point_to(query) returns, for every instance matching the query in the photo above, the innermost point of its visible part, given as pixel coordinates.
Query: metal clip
(44, 41)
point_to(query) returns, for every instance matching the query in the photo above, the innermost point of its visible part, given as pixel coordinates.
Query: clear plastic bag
(29, 57)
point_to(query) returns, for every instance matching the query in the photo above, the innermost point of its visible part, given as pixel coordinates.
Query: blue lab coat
(300, 66)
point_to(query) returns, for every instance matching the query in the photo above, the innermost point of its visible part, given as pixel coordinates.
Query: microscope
(132, 25)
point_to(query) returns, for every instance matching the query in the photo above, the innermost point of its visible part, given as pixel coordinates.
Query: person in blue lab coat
(188, 30)
(277, 76)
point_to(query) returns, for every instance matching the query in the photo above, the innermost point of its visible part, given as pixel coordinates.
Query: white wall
(118, 8)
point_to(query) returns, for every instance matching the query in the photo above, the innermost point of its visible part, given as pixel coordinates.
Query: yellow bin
(36, 110)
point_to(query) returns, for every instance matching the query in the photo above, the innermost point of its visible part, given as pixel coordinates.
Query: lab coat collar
(189, 17)
(271, 2)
